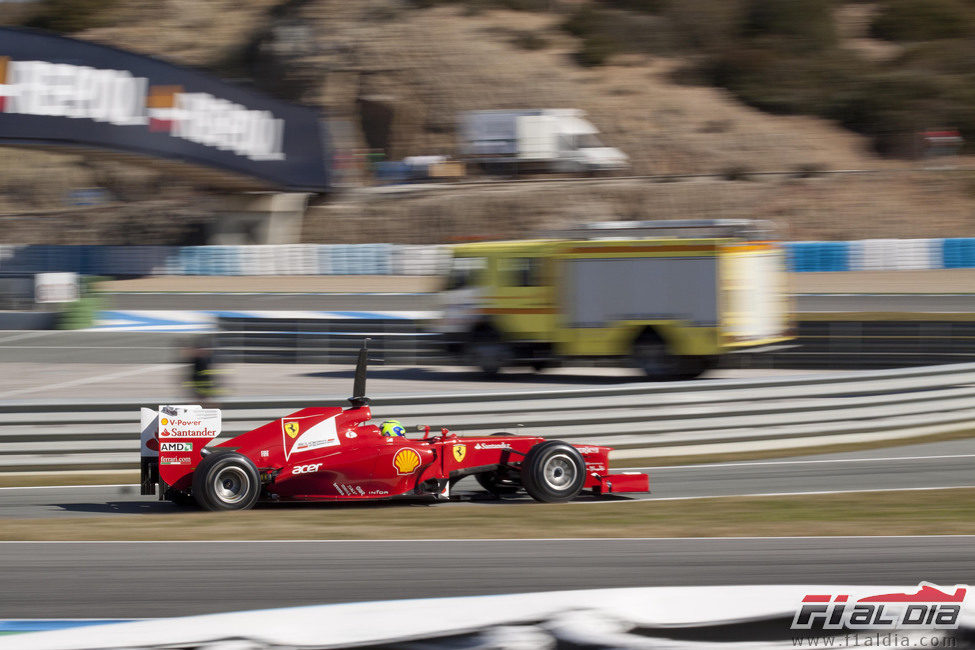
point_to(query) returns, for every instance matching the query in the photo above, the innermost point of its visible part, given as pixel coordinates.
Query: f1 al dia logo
(930, 607)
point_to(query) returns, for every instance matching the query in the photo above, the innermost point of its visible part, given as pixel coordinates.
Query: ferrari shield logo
(291, 428)
(460, 452)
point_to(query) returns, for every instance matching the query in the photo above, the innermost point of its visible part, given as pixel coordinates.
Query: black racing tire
(226, 482)
(494, 482)
(553, 471)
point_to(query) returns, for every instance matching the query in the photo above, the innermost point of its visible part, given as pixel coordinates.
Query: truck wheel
(487, 351)
(553, 471)
(650, 355)
(693, 367)
(226, 482)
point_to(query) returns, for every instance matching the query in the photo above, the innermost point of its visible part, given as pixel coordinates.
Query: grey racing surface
(932, 465)
(929, 465)
(156, 579)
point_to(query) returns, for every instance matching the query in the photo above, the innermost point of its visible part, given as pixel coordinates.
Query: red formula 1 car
(332, 454)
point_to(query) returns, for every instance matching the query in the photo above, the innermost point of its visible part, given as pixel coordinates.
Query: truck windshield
(588, 141)
(463, 272)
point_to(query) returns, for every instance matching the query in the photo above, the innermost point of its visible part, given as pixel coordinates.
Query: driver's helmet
(391, 428)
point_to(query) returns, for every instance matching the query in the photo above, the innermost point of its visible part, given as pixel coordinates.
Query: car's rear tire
(553, 472)
(226, 482)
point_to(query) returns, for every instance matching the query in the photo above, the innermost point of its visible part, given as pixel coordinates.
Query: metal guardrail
(639, 420)
(335, 340)
(825, 344)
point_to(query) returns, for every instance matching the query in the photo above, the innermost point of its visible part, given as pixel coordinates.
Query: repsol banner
(64, 92)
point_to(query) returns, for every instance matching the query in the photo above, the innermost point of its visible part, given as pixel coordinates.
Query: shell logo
(406, 461)
(164, 422)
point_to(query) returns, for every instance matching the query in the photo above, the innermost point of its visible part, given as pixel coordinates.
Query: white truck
(551, 139)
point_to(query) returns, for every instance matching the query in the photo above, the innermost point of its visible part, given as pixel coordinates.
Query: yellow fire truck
(667, 297)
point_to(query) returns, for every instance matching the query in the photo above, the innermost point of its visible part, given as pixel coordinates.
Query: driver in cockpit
(392, 428)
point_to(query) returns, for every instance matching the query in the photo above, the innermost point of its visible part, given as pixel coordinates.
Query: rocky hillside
(397, 73)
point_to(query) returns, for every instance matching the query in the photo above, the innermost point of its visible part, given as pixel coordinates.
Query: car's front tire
(226, 482)
(553, 472)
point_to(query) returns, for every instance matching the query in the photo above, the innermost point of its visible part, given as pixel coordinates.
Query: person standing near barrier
(204, 379)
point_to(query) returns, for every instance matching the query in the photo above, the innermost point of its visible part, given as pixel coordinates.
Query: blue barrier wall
(393, 259)
(297, 259)
(818, 256)
(958, 252)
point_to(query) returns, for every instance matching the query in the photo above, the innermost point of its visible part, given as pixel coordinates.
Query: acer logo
(305, 469)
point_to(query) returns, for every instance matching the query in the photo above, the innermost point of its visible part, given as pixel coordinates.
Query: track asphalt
(125, 579)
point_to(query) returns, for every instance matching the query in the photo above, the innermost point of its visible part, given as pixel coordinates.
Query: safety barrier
(818, 256)
(395, 259)
(639, 420)
(285, 259)
(895, 254)
(407, 338)
(881, 255)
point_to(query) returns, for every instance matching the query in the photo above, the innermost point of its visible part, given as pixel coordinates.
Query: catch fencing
(640, 420)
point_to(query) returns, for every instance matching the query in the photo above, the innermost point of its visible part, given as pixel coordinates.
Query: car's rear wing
(149, 452)
(171, 442)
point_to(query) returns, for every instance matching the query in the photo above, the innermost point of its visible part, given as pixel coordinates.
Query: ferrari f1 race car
(333, 454)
